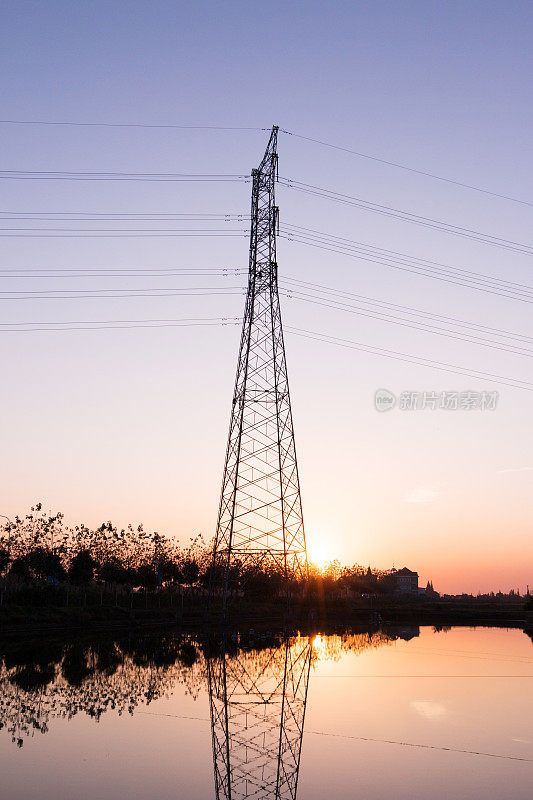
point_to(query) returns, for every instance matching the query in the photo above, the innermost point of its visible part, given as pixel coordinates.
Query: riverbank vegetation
(40, 549)
(44, 563)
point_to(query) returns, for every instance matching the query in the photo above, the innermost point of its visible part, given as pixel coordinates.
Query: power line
(85, 219)
(129, 125)
(421, 746)
(319, 295)
(185, 290)
(124, 235)
(407, 168)
(110, 294)
(324, 296)
(515, 383)
(404, 309)
(186, 322)
(406, 216)
(120, 176)
(402, 257)
(116, 216)
(44, 273)
(310, 189)
(415, 269)
(70, 326)
(126, 230)
(313, 293)
(359, 253)
(414, 325)
(295, 135)
(367, 738)
(292, 230)
(323, 241)
(294, 233)
(120, 321)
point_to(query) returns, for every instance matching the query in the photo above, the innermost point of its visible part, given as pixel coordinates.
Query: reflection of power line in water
(480, 657)
(422, 746)
(388, 741)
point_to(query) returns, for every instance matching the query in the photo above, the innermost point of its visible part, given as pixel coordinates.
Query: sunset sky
(131, 425)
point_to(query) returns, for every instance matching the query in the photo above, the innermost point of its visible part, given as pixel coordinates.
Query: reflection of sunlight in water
(428, 709)
(332, 647)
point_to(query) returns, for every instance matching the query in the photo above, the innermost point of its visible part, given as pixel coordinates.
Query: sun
(319, 555)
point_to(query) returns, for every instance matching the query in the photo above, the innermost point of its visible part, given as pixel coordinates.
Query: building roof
(405, 571)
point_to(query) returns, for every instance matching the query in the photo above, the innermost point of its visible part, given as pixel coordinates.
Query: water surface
(383, 714)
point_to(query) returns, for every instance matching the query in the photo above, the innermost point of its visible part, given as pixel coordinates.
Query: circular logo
(384, 400)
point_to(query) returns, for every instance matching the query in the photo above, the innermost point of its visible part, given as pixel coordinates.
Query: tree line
(41, 548)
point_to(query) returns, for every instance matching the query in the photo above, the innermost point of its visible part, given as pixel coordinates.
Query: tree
(4, 559)
(81, 569)
(112, 571)
(190, 571)
(213, 575)
(19, 569)
(147, 576)
(75, 667)
(195, 560)
(188, 654)
(169, 570)
(44, 563)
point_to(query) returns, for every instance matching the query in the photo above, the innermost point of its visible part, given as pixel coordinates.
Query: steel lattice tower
(257, 703)
(260, 514)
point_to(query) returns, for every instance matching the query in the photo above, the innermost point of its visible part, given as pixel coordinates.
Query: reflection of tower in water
(258, 701)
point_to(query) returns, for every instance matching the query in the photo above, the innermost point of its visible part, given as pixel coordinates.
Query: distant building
(405, 581)
(430, 592)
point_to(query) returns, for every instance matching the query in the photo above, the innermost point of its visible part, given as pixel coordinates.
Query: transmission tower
(260, 514)
(257, 702)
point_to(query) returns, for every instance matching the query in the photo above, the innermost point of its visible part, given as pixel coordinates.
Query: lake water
(382, 715)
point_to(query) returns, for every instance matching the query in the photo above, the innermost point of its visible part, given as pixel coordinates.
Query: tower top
(270, 159)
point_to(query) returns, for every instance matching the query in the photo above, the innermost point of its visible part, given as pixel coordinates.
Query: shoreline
(18, 620)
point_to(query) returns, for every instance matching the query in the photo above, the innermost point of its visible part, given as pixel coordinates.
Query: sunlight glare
(319, 556)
